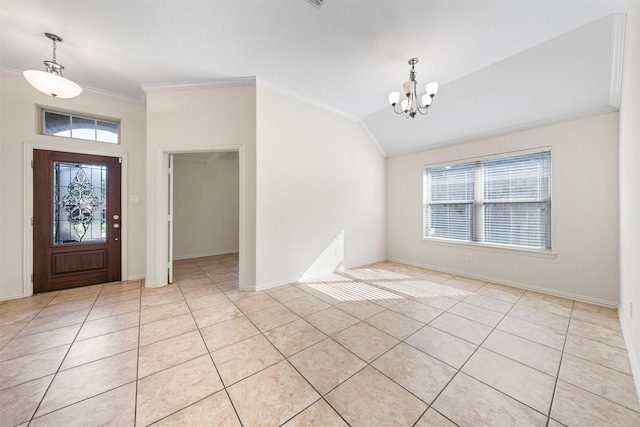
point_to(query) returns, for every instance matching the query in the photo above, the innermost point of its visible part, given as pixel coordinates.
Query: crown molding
(617, 57)
(372, 137)
(10, 72)
(277, 89)
(508, 130)
(211, 84)
(115, 96)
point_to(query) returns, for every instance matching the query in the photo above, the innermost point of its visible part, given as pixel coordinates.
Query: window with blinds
(502, 201)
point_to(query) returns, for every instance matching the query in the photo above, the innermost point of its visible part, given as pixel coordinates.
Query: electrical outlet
(469, 257)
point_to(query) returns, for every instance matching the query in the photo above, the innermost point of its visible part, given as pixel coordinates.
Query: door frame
(27, 256)
(161, 253)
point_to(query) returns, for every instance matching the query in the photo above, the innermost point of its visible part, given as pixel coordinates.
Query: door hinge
(32, 164)
(32, 278)
(32, 221)
(120, 160)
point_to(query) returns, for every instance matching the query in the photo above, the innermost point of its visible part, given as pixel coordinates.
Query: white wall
(206, 120)
(205, 205)
(584, 213)
(630, 189)
(318, 175)
(18, 128)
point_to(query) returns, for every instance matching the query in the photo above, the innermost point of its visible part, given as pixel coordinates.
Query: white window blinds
(504, 201)
(451, 204)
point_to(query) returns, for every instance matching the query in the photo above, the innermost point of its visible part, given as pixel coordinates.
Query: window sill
(513, 250)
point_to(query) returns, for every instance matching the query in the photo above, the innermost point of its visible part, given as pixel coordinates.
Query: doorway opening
(204, 216)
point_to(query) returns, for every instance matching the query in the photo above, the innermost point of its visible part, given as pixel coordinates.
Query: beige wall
(630, 190)
(18, 124)
(319, 175)
(205, 205)
(584, 213)
(206, 120)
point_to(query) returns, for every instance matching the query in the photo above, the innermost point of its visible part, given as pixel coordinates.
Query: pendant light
(51, 81)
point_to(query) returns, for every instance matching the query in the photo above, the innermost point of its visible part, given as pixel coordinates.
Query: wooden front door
(76, 220)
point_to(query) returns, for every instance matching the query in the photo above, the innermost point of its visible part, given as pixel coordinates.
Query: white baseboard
(10, 297)
(363, 263)
(275, 284)
(205, 254)
(633, 357)
(247, 288)
(154, 285)
(576, 297)
(135, 277)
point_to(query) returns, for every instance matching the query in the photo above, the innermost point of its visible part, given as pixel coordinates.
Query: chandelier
(51, 81)
(411, 104)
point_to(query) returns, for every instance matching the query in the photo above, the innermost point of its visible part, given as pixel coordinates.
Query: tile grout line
(595, 363)
(472, 354)
(370, 364)
(224, 386)
(388, 307)
(135, 402)
(429, 404)
(177, 283)
(364, 320)
(186, 361)
(63, 359)
(555, 386)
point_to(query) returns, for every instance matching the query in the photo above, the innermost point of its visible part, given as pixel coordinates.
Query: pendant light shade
(51, 81)
(52, 84)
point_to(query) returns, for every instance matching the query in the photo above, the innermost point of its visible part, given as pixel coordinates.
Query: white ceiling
(502, 65)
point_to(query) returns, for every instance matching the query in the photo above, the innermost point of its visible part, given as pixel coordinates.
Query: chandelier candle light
(51, 81)
(412, 105)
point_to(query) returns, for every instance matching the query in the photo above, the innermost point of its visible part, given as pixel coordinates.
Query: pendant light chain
(54, 50)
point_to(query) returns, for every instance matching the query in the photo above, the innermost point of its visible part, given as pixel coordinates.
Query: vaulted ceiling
(502, 65)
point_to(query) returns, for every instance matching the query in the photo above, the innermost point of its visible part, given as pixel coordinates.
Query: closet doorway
(204, 208)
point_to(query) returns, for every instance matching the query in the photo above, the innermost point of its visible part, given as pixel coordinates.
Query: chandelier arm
(427, 107)
(396, 111)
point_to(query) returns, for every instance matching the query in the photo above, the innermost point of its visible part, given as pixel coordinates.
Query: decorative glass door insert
(76, 220)
(79, 199)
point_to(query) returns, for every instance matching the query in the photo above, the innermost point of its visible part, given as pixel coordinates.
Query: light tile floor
(384, 345)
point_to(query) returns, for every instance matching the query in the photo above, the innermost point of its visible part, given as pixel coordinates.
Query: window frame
(42, 110)
(479, 203)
